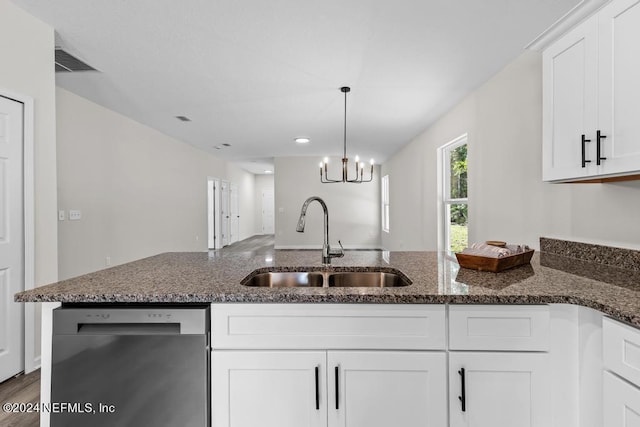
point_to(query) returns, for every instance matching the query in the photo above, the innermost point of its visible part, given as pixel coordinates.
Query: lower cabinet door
(499, 390)
(621, 406)
(268, 389)
(387, 388)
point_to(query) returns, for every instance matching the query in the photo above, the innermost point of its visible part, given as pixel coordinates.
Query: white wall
(26, 52)
(140, 192)
(508, 200)
(354, 209)
(263, 183)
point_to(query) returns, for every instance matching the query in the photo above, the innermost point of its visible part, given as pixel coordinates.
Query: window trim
(385, 205)
(444, 199)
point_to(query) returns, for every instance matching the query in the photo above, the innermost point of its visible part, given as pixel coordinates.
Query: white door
(268, 224)
(500, 390)
(224, 213)
(387, 388)
(11, 238)
(211, 209)
(570, 103)
(234, 214)
(621, 402)
(619, 86)
(268, 389)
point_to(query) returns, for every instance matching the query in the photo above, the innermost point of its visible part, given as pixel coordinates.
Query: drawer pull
(599, 137)
(337, 370)
(584, 151)
(317, 389)
(463, 394)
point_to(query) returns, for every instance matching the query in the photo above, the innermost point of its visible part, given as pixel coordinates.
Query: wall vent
(65, 62)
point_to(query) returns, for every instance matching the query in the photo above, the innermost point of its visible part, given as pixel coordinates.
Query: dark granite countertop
(215, 277)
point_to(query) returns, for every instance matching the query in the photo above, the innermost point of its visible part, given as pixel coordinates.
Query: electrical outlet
(75, 215)
(61, 216)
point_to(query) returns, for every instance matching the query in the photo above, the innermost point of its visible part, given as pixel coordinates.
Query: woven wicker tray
(481, 263)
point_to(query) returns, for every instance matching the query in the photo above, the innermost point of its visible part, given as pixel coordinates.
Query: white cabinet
(499, 390)
(328, 326)
(621, 381)
(499, 327)
(591, 95)
(387, 388)
(268, 388)
(346, 365)
(335, 388)
(621, 402)
(619, 86)
(354, 365)
(569, 103)
(507, 383)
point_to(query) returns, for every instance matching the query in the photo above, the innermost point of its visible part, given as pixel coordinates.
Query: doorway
(223, 213)
(268, 221)
(213, 213)
(12, 240)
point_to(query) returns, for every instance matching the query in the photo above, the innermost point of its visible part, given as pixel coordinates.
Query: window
(385, 203)
(454, 201)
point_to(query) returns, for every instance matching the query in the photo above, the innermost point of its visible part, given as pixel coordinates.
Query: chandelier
(359, 176)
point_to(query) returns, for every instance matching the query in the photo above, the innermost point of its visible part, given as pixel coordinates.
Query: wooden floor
(261, 244)
(26, 388)
(20, 389)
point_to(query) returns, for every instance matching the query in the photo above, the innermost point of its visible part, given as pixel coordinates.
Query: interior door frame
(273, 211)
(213, 213)
(31, 359)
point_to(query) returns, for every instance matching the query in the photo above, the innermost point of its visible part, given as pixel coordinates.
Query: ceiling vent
(65, 62)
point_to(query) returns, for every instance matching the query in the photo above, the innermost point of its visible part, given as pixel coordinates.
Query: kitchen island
(531, 336)
(436, 279)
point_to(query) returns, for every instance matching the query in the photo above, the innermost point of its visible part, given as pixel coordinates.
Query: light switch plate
(61, 216)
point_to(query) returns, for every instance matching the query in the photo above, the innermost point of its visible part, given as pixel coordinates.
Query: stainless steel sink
(287, 279)
(366, 279)
(337, 279)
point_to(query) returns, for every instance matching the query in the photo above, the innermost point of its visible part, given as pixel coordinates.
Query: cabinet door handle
(337, 371)
(317, 389)
(584, 151)
(463, 394)
(599, 137)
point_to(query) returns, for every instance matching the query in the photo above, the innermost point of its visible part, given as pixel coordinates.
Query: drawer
(328, 326)
(621, 349)
(499, 327)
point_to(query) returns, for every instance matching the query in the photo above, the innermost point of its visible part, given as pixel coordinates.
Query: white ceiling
(256, 74)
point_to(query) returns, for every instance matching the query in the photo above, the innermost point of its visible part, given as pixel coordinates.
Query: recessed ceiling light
(268, 172)
(302, 140)
(183, 118)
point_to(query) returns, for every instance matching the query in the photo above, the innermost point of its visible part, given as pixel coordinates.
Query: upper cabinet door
(570, 103)
(619, 87)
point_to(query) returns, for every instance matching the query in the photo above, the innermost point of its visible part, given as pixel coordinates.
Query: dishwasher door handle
(131, 321)
(128, 329)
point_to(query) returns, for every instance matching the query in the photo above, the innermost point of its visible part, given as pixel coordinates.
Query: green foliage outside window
(459, 212)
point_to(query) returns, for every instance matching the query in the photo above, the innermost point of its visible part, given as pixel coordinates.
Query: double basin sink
(333, 279)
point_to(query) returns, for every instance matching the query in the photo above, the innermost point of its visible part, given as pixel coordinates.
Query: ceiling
(256, 74)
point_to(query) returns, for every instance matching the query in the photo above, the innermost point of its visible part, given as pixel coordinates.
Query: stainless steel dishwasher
(130, 366)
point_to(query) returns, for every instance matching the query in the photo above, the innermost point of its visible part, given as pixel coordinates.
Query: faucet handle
(337, 253)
